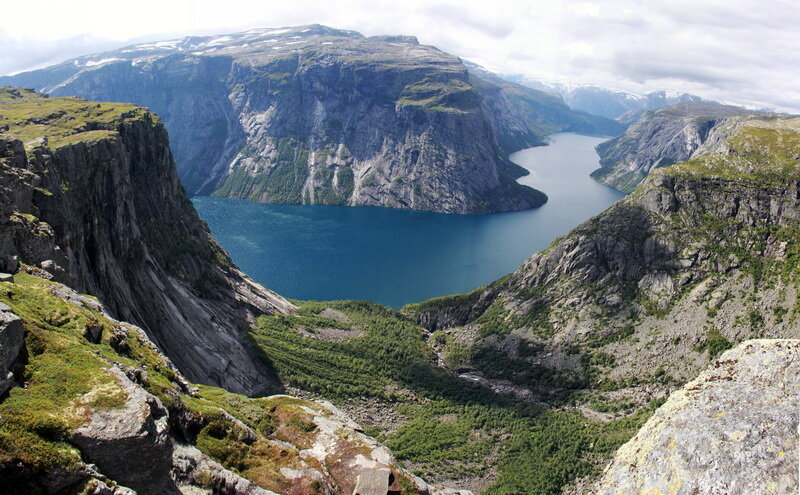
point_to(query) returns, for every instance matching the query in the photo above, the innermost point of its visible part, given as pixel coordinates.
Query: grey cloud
(494, 28)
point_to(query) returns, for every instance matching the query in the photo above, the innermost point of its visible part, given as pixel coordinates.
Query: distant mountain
(316, 115)
(610, 103)
(659, 138)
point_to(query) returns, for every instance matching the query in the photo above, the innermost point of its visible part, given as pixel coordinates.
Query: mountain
(316, 115)
(528, 385)
(733, 429)
(659, 138)
(90, 198)
(523, 109)
(622, 106)
(636, 301)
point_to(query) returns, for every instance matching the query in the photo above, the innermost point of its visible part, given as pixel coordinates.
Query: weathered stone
(130, 444)
(733, 430)
(373, 482)
(195, 473)
(12, 337)
(93, 333)
(6, 277)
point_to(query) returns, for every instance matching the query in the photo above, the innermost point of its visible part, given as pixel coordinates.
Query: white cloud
(745, 51)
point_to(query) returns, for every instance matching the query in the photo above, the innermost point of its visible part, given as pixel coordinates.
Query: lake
(395, 257)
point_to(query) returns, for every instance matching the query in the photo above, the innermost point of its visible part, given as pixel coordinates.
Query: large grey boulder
(12, 337)
(130, 444)
(733, 430)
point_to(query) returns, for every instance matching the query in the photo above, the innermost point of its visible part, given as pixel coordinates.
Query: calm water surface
(395, 257)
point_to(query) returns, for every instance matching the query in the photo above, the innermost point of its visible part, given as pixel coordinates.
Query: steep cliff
(635, 301)
(733, 429)
(96, 408)
(317, 115)
(659, 138)
(89, 197)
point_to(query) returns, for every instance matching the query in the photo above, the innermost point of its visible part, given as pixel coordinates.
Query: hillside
(315, 115)
(96, 408)
(637, 301)
(659, 138)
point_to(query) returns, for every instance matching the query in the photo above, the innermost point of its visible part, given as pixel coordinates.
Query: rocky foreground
(733, 429)
(92, 406)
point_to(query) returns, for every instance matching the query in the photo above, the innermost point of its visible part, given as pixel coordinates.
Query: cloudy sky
(736, 51)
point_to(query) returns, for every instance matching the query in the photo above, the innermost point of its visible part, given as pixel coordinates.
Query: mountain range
(654, 348)
(315, 115)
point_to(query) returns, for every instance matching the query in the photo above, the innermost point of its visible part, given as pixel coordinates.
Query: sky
(744, 52)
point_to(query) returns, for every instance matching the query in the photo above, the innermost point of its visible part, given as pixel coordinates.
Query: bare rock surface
(733, 430)
(11, 341)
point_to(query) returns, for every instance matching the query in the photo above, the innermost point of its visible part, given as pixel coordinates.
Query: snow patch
(92, 63)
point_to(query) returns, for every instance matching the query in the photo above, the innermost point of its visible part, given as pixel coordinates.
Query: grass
(32, 117)
(66, 377)
(455, 429)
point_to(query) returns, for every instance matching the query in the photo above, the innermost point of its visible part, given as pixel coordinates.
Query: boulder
(12, 337)
(130, 444)
(732, 430)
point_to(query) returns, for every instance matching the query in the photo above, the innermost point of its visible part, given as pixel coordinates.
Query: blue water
(395, 257)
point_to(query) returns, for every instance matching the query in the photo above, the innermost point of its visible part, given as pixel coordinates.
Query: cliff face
(731, 430)
(657, 139)
(323, 116)
(635, 301)
(90, 198)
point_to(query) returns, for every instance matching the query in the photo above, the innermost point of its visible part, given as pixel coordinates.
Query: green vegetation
(453, 95)
(455, 428)
(280, 181)
(66, 376)
(330, 193)
(35, 118)
(715, 343)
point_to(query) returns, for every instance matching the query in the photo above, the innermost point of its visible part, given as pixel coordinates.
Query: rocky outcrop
(139, 425)
(316, 115)
(660, 138)
(114, 416)
(11, 335)
(89, 197)
(733, 429)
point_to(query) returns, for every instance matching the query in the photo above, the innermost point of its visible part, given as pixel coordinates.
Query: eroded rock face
(734, 429)
(657, 139)
(99, 207)
(316, 115)
(130, 443)
(11, 341)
